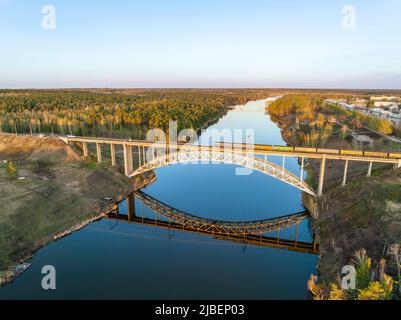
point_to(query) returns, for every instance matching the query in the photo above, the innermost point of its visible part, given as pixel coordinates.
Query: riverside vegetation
(366, 213)
(370, 283)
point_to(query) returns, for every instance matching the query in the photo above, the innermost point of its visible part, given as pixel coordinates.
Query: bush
(371, 283)
(11, 170)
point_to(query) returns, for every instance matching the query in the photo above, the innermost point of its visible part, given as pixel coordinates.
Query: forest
(114, 112)
(312, 109)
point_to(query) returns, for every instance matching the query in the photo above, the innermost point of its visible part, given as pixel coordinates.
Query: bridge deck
(254, 149)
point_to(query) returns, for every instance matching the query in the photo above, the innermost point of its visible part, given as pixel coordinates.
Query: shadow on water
(244, 232)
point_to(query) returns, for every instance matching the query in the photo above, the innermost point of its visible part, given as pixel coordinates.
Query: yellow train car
(264, 147)
(283, 148)
(355, 153)
(376, 154)
(308, 150)
(329, 151)
(394, 155)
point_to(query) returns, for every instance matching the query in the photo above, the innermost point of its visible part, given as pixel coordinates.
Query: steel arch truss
(257, 164)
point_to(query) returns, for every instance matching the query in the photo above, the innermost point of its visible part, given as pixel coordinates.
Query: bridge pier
(144, 155)
(99, 152)
(321, 177)
(314, 242)
(370, 170)
(131, 207)
(345, 173)
(85, 149)
(302, 169)
(113, 154)
(128, 164)
(139, 156)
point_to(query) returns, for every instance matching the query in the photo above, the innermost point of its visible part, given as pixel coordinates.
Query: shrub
(11, 170)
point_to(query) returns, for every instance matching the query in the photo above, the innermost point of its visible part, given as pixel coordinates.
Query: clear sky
(200, 43)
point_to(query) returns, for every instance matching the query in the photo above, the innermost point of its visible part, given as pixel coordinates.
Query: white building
(384, 104)
(394, 109)
(384, 98)
(360, 103)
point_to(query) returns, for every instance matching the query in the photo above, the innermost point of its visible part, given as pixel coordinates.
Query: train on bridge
(340, 152)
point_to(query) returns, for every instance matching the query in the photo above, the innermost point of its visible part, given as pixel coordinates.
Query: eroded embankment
(53, 193)
(364, 214)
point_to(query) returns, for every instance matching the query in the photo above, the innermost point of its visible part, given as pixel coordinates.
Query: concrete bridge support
(370, 170)
(140, 156)
(131, 207)
(144, 155)
(99, 152)
(113, 154)
(85, 149)
(302, 170)
(128, 164)
(345, 173)
(321, 177)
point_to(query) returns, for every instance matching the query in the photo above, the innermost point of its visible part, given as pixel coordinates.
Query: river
(117, 260)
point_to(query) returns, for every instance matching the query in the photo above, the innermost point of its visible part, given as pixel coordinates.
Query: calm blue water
(127, 261)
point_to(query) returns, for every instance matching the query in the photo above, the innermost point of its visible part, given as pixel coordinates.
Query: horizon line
(202, 88)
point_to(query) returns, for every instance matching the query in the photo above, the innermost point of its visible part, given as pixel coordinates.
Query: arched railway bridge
(152, 155)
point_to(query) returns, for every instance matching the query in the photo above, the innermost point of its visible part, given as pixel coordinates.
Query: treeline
(304, 106)
(114, 112)
(312, 109)
(359, 119)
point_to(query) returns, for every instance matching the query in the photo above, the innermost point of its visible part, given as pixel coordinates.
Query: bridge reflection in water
(247, 232)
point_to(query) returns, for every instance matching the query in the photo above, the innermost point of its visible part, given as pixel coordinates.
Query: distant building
(384, 104)
(394, 109)
(384, 98)
(360, 103)
(364, 139)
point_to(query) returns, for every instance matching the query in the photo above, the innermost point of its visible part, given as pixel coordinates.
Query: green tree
(11, 170)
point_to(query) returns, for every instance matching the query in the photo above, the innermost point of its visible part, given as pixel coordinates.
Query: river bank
(365, 213)
(53, 194)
